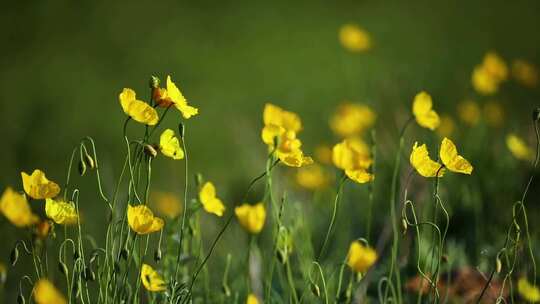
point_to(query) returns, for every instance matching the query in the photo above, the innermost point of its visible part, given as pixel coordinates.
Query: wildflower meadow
(357, 186)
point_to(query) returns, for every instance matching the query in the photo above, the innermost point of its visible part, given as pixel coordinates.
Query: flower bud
(315, 289)
(157, 255)
(76, 255)
(82, 168)
(150, 150)
(404, 225)
(226, 290)
(20, 299)
(154, 82)
(181, 130)
(498, 265)
(124, 253)
(89, 275)
(14, 256)
(89, 161)
(63, 268)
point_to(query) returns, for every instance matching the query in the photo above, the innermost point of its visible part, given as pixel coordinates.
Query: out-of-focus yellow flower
(361, 257)
(354, 38)
(167, 204)
(38, 186)
(281, 127)
(46, 293)
(423, 113)
(518, 147)
(352, 155)
(312, 177)
(423, 164)
(469, 112)
(446, 127)
(42, 229)
(525, 73)
(487, 77)
(211, 203)
(352, 119)
(527, 291)
(452, 160)
(323, 154)
(169, 145)
(16, 209)
(138, 110)
(494, 113)
(172, 96)
(142, 220)
(61, 212)
(251, 217)
(252, 299)
(151, 279)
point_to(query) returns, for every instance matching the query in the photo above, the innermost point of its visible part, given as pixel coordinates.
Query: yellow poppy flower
(312, 177)
(446, 127)
(423, 164)
(352, 156)
(518, 147)
(16, 209)
(211, 203)
(354, 38)
(527, 291)
(423, 113)
(494, 113)
(361, 257)
(38, 186)
(483, 82)
(251, 218)
(174, 95)
(525, 73)
(46, 293)
(151, 279)
(495, 66)
(167, 204)
(169, 145)
(352, 119)
(276, 116)
(61, 212)
(138, 110)
(142, 220)
(252, 299)
(289, 151)
(452, 160)
(469, 112)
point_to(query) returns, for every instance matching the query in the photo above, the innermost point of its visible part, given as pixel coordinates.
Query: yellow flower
(452, 160)
(518, 147)
(525, 73)
(138, 110)
(469, 112)
(42, 229)
(142, 220)
(494, 113)
(252, 299)
(423, 113)
(251, 217)
(447, 126)
(312, 177)
(323, 154)
(352, 119)
(495, 66)
(169, 145)
(167, 204)
(527, 291)
(354, 38)
(352, 155)
(211, 203)
(482, 81)
(423, 164)
(361, 257)
(173, 96)
(16, 209)
(151, 280)
(281, 127)
(61, 212)
(38, 186)
(46, 293)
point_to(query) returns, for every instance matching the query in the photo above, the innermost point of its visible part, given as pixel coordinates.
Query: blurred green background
(64, 63)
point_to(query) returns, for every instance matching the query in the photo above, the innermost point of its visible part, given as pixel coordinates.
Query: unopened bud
(404, 225)
(124, 253)
(536, 114)
(498, 265)
(157, 255)
(20, 299)
(89, 161)
(89, 275)
(150, 150)
(154, 82)
(226, 290)
(315, 289)
(14, 256)
(63, 268)
(76, 255)
(181, 130)
(82, 168)
(281, 256)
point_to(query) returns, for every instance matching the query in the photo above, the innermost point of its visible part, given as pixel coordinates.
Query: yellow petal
(151, 279)
(167, 204)
(527, 291)
(210, 202)
(312, 177)
(138, 110)
(270, 132)
(16, 209)
(518, 147)
(252, 299)
(360, 176)
(525, 73)
(142, 220)
(450, 158)
(483, 82)
(61, 212)
(424, 114)
(360, 257)
(179, 100)
(38, 186)
(169, 145)
(423, 164)
(46, 293)
(352, 119)
(250, 217)
(274, 115)
(354, 38)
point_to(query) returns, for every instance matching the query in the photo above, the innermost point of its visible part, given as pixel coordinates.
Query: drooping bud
(498, 265)
(150, 150)
(154, 82)
(157, 255)
(82, 168)
(124, 253)
(89, 161)
(63, 268)
(536, 114)
(226, 290)
(14, 256)
(404, 225)
(20, 299)
(315, 289)
(89, 275)
(181, 130)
